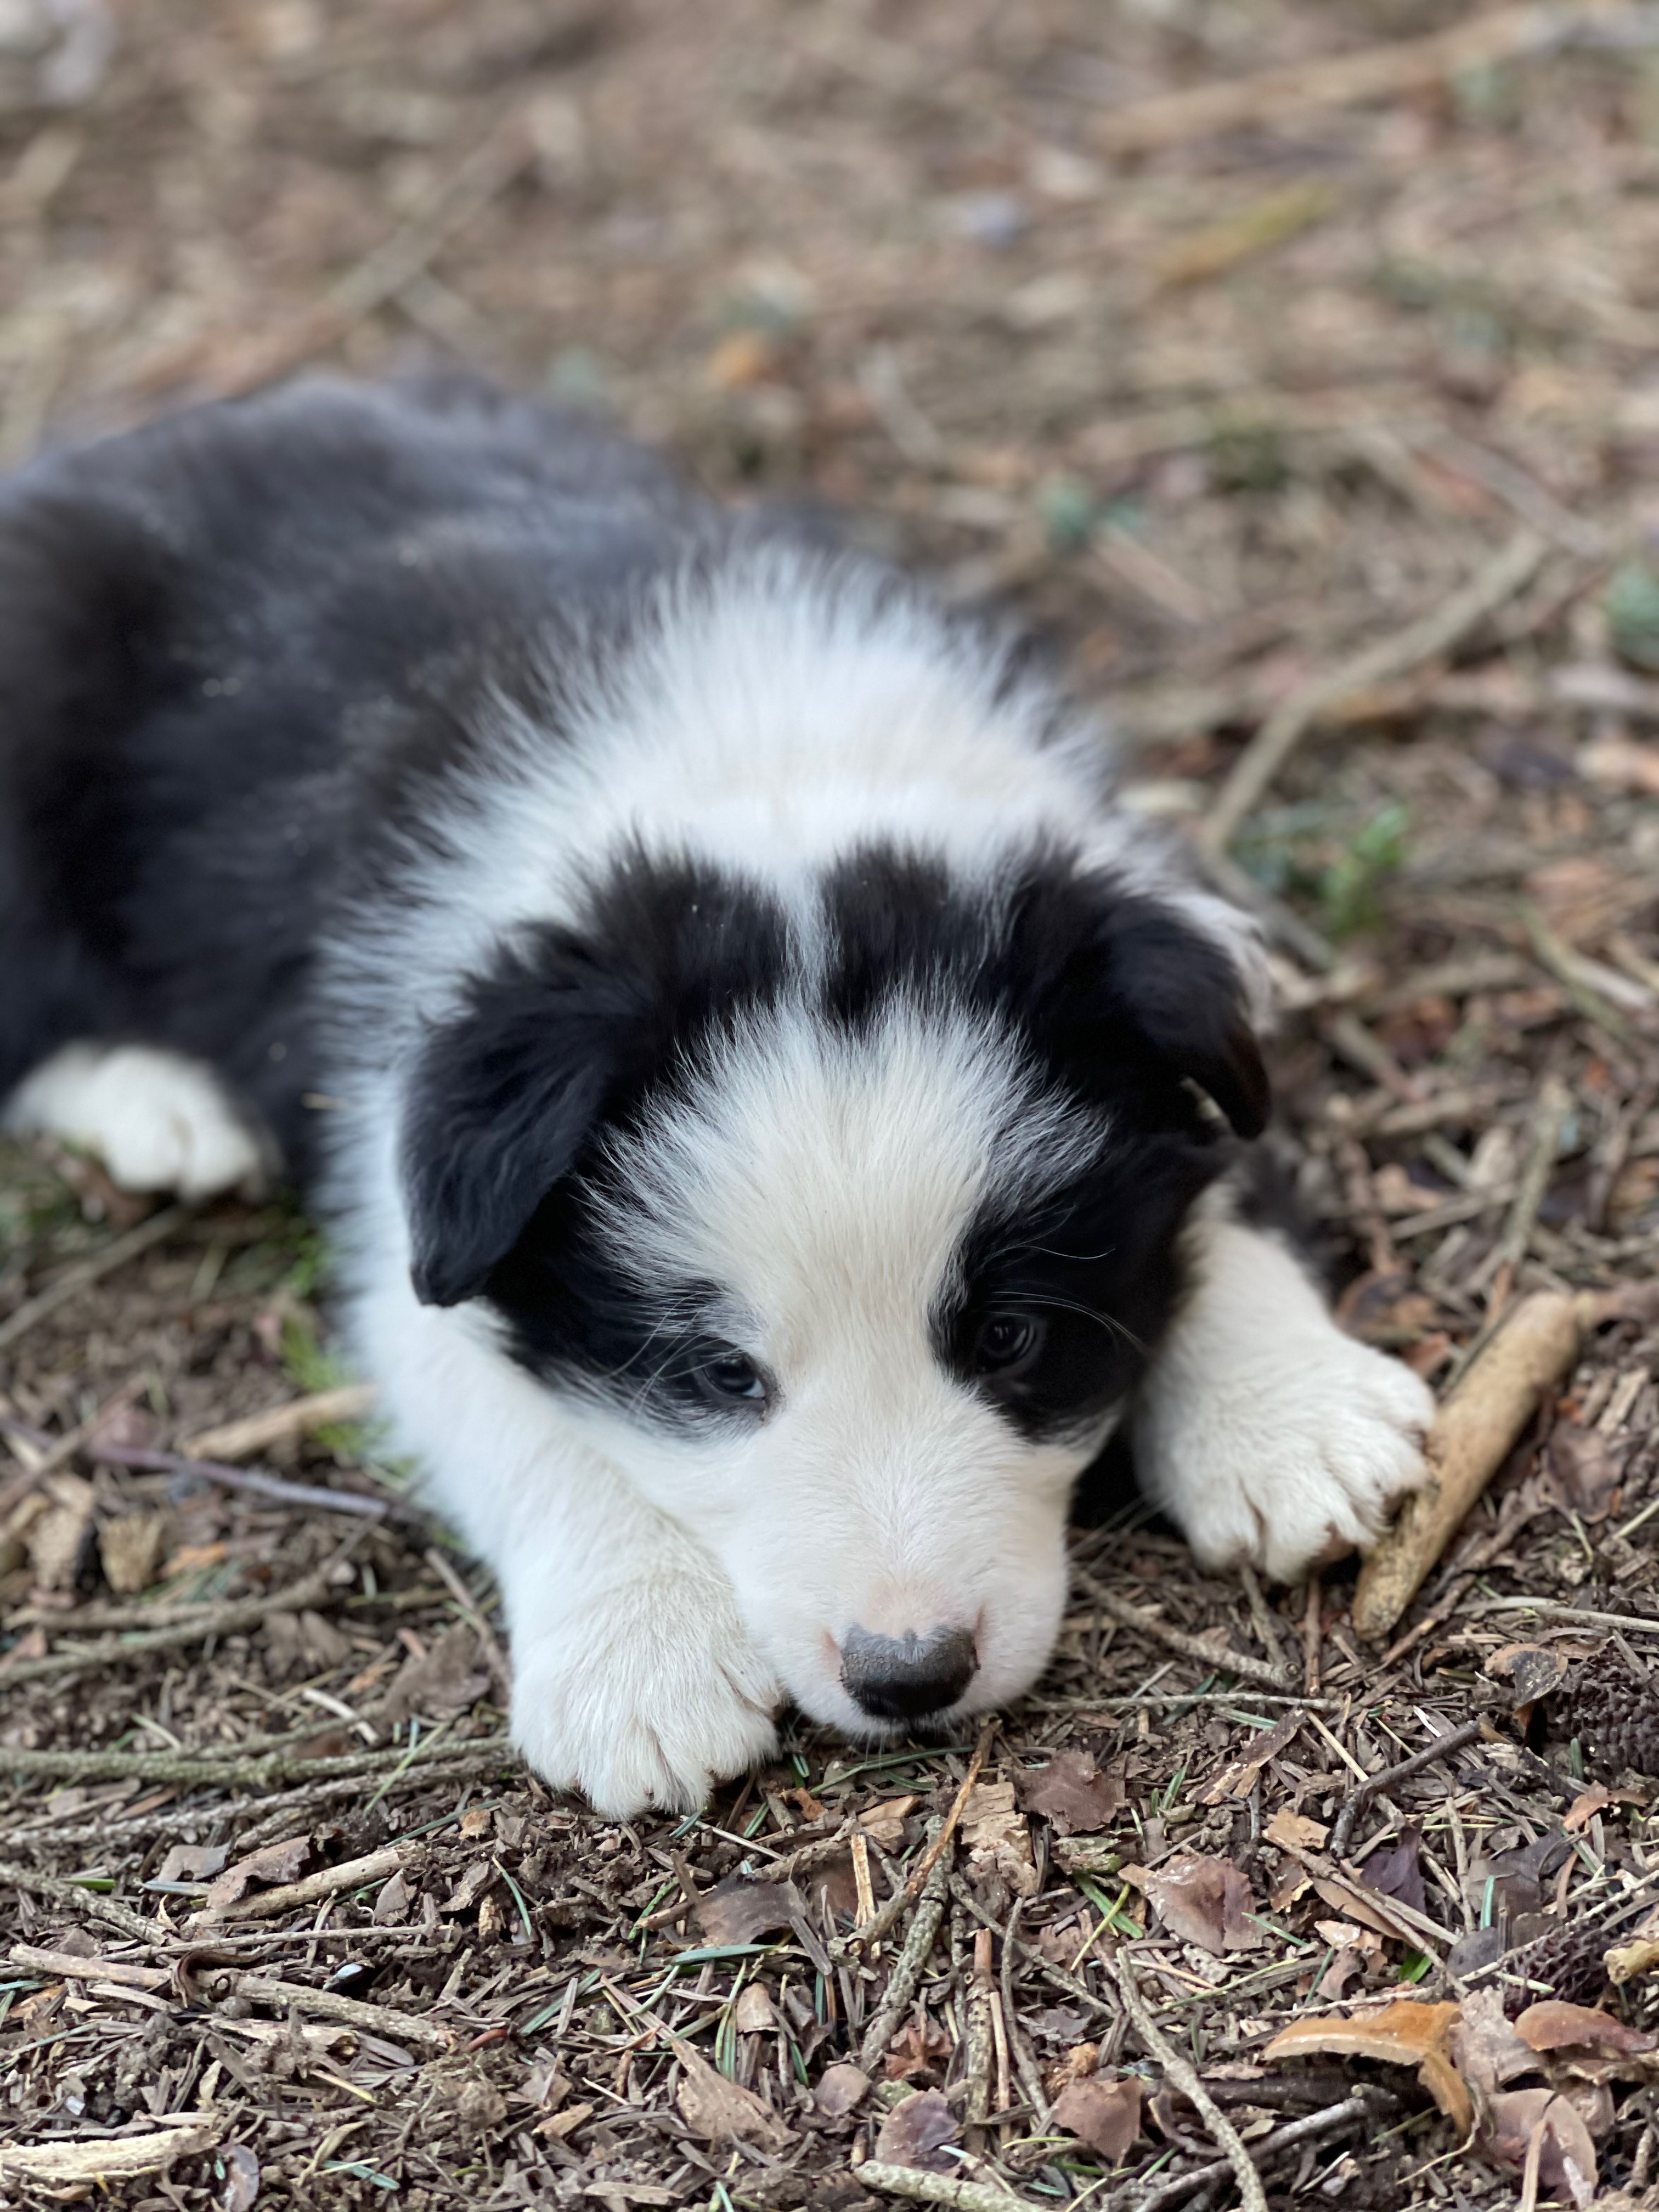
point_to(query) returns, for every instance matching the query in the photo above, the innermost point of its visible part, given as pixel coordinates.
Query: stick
(1031, 2078)
(1358, 1797)
(1426, 639)
(1184, 2075)
(495, 1657)
(249, 1478)
(222, 1620)
(1176, 1639)
(1549, 1119)
(907, 1968)
(1384, 72)
(86, 1901)
(1356, 2111)
(934, 2188)
(980, 2038)
(378, 2019)
(244, 1774)
(901, 1899)
(238, 1440)
(327, 1882)
(1472, 1436)
(62, 1449)
(84, 1273)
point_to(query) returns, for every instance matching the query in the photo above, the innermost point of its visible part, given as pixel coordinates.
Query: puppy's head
(846, 1230)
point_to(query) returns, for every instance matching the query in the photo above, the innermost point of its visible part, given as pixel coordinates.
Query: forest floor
(1313, 404)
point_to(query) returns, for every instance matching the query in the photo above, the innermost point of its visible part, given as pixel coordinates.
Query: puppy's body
(752, 1074)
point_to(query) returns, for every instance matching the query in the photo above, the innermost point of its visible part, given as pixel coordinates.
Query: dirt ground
(1314, 406)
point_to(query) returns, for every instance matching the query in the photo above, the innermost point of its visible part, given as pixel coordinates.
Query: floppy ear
(503, 1098)
(1177, 989)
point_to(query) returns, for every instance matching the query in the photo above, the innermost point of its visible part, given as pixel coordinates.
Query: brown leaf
(273, 1862)
(1294, 1832)
(719, 2111)
(448, 1681)
(1585, 1807)
(1080, 1797)
(1532, 1670)
(1239, 1779)
(130, 1547)
(914, 2133)
(842, 2089)
(1567, 2162)
(1552, 2026)
(884, 1823)
(1485, 2047)
(1105, 2114)
(754, 2012)
(1397, 1871)
(191, 1862)
(1402, 2034)
(738, 1908)
(1204, 1901)
(915, 2050)
(1333, 1984)
(1585, 1470)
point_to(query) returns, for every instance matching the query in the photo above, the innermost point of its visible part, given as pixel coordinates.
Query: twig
(1358, 2111)
(1555, 1609)
(85, 1273)
(327, 1881)
(64, 1447)
(1263, 1618)
(980, 2039)
(1549, 1119)
(237, 1440)
(221, 1620)
(1070, 1984)
(1184, 2075)
(1426, 639)
(1030, 2077)
(934, 2188)
(1220, 1661)
(303, 1494)
(907, 1968)
(1384, 72)
(1361, 1794)
(90, 1902)
(920, 1875)
(495, 1657)
(378, 2020)
(69, 1966)
(220, 1772)
(1562, 964)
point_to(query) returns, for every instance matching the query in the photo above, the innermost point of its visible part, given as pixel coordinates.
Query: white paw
(1295, 1454)
(157, 1122)
(646, 1698)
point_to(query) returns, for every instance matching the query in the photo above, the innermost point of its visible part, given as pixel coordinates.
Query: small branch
(306, 1495)
(907, 1968)
(222, 1772)
(1361, 1794)
(87, 1902)
(85, 1273)
(1360, 2109)
(495, 1657)
(1220, 1661)
(1428, 638)
(1031, 2077)
(327, 1882)
(901, 1899)
(299, 1417)
(1184, 2075)
(934, 2188)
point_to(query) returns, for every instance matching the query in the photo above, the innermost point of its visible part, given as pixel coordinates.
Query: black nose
(899, 1678)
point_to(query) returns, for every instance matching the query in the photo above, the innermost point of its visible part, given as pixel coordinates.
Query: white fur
(1267, 1433)
(156, 1120)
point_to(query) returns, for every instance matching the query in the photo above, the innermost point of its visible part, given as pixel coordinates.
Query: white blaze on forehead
(821, 1175)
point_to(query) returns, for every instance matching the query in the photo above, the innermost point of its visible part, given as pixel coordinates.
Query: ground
(1324, 424)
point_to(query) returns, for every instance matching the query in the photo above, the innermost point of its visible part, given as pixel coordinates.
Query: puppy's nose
(899, 1678)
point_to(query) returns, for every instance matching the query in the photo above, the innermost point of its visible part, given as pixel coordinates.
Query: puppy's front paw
(647, 1698)
(1293, 1455)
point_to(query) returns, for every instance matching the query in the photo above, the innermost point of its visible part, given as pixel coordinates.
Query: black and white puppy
(770, 1109)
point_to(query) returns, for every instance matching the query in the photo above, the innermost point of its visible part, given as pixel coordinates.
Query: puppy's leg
(635, 1681)
(157, 1122)
(1261, 1429)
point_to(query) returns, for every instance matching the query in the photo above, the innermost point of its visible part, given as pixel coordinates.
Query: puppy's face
(853, 1233)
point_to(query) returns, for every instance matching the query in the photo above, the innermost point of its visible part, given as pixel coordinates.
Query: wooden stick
(1431, 635)
(84, 1273)
(1218, 1658)
(1383, 72)
(1184, 2075)
(1473, 1434)
(327, 1882)
(239, 1440)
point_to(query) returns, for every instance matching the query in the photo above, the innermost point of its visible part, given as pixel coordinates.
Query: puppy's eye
(730, 1379)
(1007, 1343)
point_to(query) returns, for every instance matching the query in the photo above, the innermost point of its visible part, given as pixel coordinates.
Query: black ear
(1179, 991)
(504, 1096)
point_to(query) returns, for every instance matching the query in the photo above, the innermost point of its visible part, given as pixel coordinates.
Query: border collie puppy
(773, 1116)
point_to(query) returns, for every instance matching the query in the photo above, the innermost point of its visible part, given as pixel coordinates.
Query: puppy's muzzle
(900, 1678)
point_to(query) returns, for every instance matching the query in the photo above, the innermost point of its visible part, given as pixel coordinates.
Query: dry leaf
(273, 1862)
(719, 2111)
(1584, 1808)
(448, 1681)
(1203, 1901)
(738, 1908)
(884, 1823)
(997, 1835)
(1585, 1470)
(1567, 2162)
(191, 1862)
(1403, 2034)
(1106, 2115)
(1346, 1966)
(754, 2012)
(842, 2089)
(130, 1546)
(1397, 1871)
(1485, 2047)
(1552, 2026)
(391, 1905)
(914, 2133)
(1294, 1832)
(241, 2189)
(1239, 1779)
(1080, 1797)
(1532, 1670)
